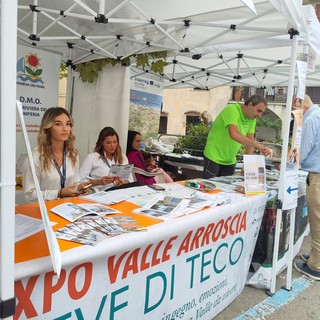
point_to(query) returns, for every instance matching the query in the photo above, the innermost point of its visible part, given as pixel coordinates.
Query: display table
(184, 161)
(188, 267)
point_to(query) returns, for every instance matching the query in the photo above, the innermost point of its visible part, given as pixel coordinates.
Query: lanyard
(63, 173)
(105, 160)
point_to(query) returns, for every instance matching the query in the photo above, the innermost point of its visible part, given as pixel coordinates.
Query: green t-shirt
(220, 148)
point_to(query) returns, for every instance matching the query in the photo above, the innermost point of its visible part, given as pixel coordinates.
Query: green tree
(194, 143)
(275, 124)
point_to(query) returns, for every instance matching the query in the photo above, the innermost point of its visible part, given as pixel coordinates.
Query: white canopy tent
(260, 68)
(207, 45)
(118, 29)
(262, 62)
(93, 29)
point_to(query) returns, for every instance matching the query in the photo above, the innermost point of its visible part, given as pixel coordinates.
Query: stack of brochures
(91, 231)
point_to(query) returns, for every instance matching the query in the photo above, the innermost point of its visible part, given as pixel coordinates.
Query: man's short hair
(256, 99)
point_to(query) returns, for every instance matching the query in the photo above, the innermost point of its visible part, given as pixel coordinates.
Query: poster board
(37, 90)
(145, 106)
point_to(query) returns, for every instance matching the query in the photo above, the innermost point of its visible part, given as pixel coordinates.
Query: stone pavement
(302, 302)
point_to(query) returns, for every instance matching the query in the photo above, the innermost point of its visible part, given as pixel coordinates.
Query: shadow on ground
(304, 307)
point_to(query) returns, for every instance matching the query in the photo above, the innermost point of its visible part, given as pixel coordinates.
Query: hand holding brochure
(122, 171)
(73, 212)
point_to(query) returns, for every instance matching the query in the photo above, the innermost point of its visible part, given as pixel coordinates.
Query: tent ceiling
(255, 68)
(83, 30)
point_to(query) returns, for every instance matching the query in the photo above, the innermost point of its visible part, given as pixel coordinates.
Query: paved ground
(302, 302)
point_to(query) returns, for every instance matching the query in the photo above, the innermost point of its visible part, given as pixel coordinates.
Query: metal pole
(8, 49)
(284, 160)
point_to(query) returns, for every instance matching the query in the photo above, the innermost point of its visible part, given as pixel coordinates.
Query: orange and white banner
(188, 268)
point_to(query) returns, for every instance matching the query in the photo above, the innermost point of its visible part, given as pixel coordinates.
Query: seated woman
(97, 164)
(142, 160)
(55, 158)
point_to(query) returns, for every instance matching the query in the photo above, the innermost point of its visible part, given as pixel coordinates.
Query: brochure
(122, 171)
(73, 212)
(128, 224)
(169, 204)
(254, 174)
(164, 207)
(107, 197)
(26, 226)
(70, 237)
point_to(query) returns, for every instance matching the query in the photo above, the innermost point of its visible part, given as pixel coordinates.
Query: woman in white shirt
(56, 159)
(97, 164)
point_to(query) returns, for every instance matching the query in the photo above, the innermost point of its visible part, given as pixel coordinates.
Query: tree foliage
(63, 72)
(196, 139)
(275, 124)
(155, 61)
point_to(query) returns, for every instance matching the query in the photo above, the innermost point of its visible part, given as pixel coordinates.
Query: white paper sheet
(26, 226)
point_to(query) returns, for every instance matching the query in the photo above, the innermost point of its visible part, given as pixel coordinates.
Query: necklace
(58, 156)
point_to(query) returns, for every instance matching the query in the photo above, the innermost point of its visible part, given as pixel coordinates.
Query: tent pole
(69, 78)
(291, 231)
(102, 4)
(70, 81)
(284, 162)
(8, 39)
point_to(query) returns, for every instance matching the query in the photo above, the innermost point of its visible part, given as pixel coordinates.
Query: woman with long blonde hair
(56, 159)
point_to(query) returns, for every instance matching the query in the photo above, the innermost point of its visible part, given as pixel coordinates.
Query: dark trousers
(212, 169)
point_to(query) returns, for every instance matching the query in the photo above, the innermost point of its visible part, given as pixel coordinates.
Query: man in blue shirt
(309, 160)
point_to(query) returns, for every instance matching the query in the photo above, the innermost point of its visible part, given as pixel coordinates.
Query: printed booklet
(122, 171)
(73, 212)
(164, 207)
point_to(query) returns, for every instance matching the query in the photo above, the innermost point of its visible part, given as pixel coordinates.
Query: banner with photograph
(145, 106)
(37, 90)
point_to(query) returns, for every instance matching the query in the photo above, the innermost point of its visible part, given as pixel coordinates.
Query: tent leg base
(269, 293)
(7, 308)
(285, 288)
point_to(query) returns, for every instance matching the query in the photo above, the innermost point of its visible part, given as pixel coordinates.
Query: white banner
(37, 90)
(302, 75)
(189, 268)
(100, 104)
